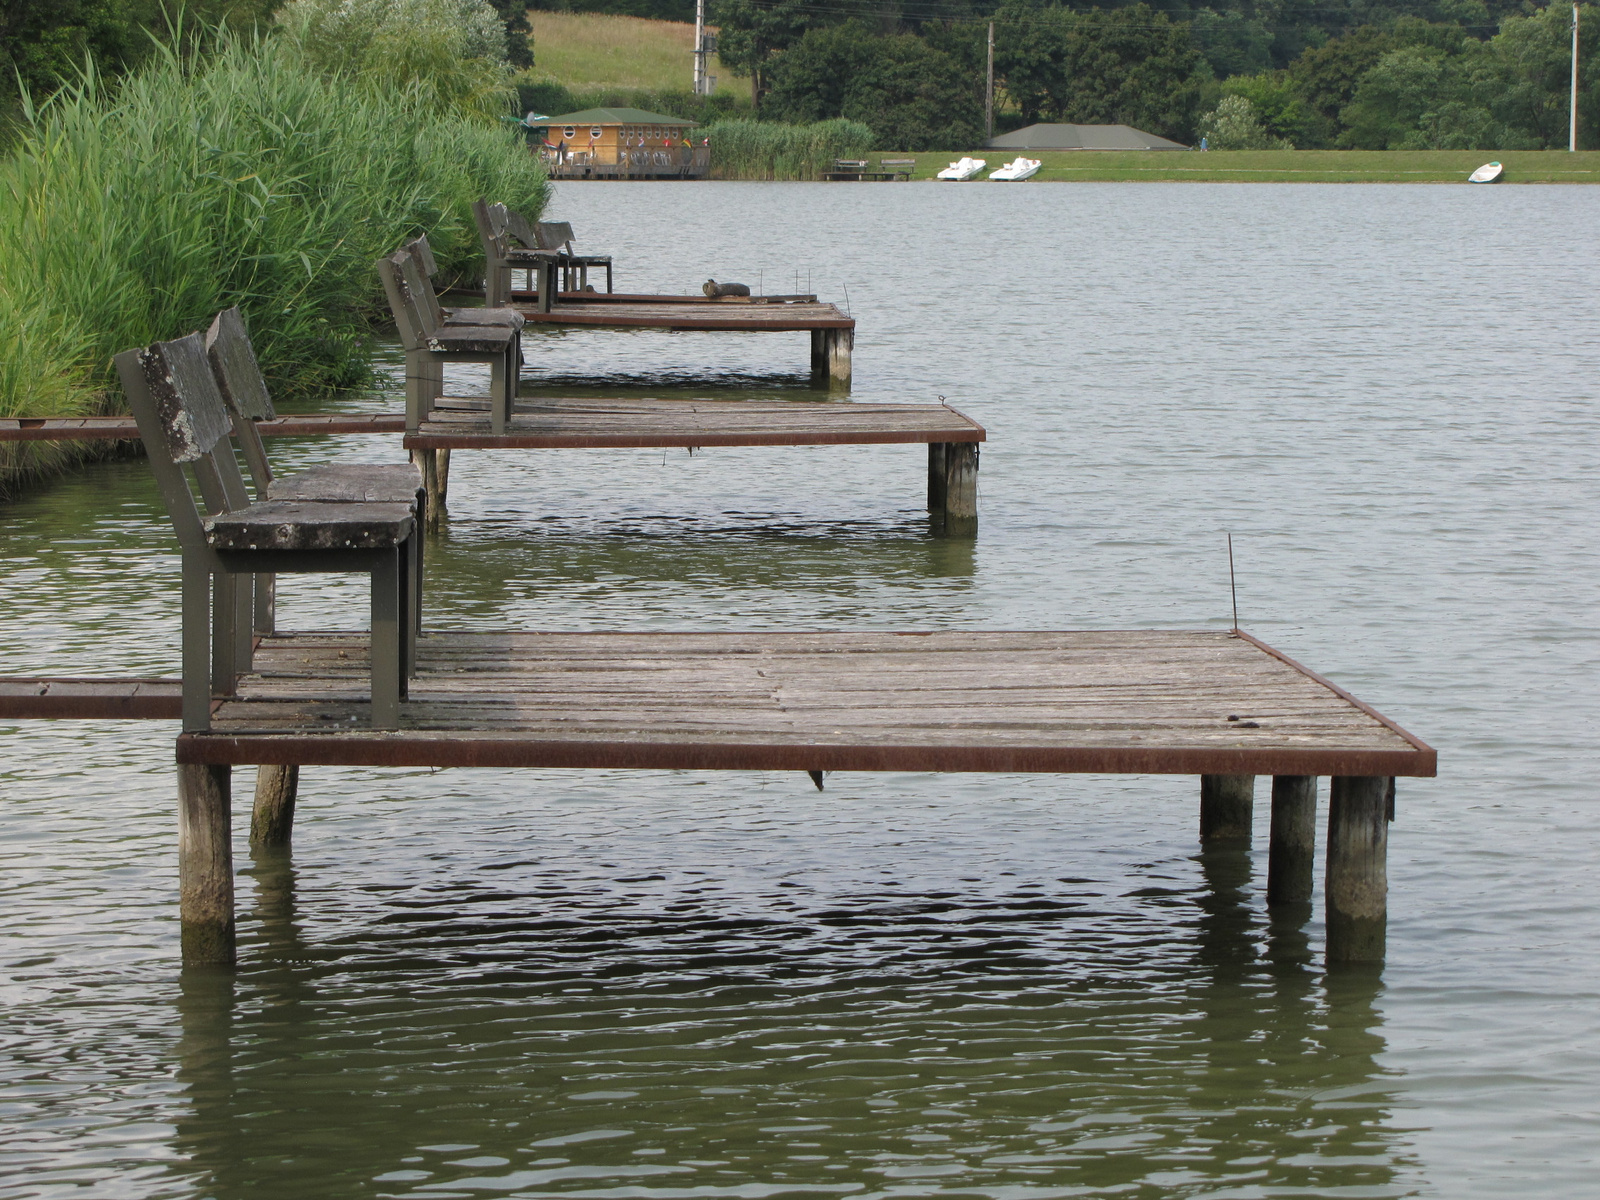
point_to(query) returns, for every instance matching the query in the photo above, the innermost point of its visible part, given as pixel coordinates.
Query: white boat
(963, 168)
(1488, 173)
(1017, 170)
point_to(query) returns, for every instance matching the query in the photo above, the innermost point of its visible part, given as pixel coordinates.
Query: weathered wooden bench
(244, 389)
(431, 342)
(557, 236)
(502, 255)
(183, 419)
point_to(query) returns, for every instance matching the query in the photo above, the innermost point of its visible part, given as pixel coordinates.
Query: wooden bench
(430, 342)
(183, 419)
(557, 236)
(244, 389)
(501, 257)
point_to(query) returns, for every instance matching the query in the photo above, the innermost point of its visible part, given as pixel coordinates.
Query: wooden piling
(936, 478)
(435, 466)
(1227, 808)
(272, 817)
(839, 344)
(961, 486)
(1357, 884)
(205, 863)
(1291, 858)
(819, 358)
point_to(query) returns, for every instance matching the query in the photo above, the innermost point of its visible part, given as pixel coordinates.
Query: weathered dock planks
(576, 423)
(689, 313)
(79, 429)
(94, 699)
(1113, 702)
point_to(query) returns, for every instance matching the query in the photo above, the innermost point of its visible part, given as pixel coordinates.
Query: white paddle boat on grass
(962, 169)
(1017, 170)
(1488, 173)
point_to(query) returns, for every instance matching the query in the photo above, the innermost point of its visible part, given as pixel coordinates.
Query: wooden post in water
(961, 487)
(839, 342)
(272, 818)
(205, 863)
(1227, 807)
(1357, 883)
(1291, 858)
(435, 465)
(819, 358)
(936, 478)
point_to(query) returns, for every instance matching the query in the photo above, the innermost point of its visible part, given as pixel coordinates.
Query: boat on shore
(1488, 173)
(1016, 170)
(963, 169)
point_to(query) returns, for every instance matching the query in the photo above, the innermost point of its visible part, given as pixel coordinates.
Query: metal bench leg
(408, 616)
(499, 393)
(266, 616)
(196, 646)
(224, 633)
(387, 614)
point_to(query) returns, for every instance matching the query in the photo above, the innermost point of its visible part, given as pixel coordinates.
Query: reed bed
(134, 213)
(768, 150)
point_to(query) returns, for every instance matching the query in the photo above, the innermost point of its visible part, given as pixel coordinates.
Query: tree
(1234, 125)
(45, 41)
(912, 95)
(1130, 66)
(519, 34)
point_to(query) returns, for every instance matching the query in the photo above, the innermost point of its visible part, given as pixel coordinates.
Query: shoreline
(1273, 166)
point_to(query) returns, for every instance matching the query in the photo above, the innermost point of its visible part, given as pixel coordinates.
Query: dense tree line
(1366, 74)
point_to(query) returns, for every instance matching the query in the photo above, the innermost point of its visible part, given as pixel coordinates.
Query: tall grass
(768, 150)
(135, 213)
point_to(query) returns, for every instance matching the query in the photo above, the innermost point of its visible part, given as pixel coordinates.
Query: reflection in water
(1021, 1043)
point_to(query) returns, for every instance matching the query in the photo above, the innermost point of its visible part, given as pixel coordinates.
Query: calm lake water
(608, 984)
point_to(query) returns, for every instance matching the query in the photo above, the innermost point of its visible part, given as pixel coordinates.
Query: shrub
(769, 150)
(243, 177)
(450, 52)
(1234, 125)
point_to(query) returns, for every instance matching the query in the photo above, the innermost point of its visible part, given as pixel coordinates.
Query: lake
(699, 984)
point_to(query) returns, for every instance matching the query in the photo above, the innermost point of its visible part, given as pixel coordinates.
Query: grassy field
(598, 50)
(1285, 166)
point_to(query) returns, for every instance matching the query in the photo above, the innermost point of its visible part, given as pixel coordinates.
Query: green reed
(135, 212)
(769, 150)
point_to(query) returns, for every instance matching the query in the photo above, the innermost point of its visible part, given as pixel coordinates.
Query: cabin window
(569, 132)
(595, 132)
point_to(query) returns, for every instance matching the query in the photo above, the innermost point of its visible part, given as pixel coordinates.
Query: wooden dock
(1220, 705)
(578, 423)
(832, 330)
(84, 429)
(1117, 702)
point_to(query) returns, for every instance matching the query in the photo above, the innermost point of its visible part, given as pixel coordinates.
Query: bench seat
(388, 483)
(311, 525)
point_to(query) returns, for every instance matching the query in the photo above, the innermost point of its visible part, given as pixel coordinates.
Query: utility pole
(1572, 125)
(988, 95)
(700, 47)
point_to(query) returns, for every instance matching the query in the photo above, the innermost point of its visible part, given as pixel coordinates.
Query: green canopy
(613, 116)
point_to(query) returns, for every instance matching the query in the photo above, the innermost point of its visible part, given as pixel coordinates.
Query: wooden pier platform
(1221, 705)
(579, 423)
(1116, 702)
(832, 330)
(687, 313)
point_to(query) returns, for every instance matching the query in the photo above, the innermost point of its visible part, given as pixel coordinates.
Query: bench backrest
(491, 230)
(422, 254)
(183, 419)
(518, 227)
(554, 235)
(244, 390)
(403, 304)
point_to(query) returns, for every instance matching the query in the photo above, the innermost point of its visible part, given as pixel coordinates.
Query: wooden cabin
(621, 143)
